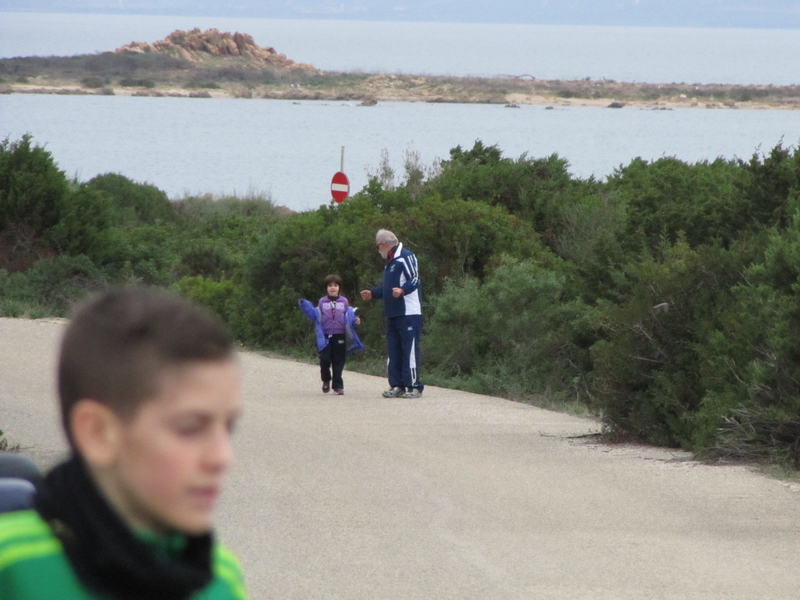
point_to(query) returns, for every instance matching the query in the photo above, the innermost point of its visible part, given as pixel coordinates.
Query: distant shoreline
(214, 64)
(444, 90)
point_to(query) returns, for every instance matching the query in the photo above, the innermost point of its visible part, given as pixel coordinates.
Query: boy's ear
(95, 431)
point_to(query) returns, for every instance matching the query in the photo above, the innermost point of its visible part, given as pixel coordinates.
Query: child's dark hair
(333, 279)
(120, 342)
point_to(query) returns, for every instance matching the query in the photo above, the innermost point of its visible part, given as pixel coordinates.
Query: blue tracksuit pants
(402, 340)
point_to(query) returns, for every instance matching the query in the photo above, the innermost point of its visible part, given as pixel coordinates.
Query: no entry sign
(340, 187)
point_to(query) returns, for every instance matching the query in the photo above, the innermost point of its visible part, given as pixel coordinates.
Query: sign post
(340, 187)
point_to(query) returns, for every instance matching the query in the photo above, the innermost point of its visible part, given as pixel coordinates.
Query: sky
(752, 14)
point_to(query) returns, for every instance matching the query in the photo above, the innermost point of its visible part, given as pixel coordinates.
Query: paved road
(454, 496)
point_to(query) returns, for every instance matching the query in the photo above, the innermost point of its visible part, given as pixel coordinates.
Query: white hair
(384, 236)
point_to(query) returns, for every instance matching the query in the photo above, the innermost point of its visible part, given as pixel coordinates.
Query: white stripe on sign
(340, 187)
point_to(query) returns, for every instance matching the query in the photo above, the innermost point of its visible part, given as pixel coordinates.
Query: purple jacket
(352, 343)
(333, 314)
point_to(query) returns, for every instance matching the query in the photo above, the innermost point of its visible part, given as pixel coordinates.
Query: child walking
(334, 321)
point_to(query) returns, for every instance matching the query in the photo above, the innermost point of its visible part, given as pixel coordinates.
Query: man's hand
(397, 292)
(366, 294)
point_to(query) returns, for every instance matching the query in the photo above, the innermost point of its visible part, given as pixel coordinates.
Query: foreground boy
(149, 391)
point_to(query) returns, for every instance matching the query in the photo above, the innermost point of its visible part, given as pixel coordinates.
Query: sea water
(291, 150)
(644, 54)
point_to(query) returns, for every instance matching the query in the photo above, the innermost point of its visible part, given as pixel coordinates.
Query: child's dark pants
(333, 355)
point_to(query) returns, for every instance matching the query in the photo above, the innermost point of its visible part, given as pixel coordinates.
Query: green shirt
(33, 564)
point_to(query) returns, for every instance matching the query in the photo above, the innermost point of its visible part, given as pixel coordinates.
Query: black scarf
(106, 555)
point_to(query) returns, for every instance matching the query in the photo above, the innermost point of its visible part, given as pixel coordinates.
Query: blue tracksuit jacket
(400, 272)
(404, 318)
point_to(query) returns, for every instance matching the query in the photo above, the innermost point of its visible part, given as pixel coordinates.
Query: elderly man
(401, 293)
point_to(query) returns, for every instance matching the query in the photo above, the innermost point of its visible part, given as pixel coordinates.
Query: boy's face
(170, 458)
(333, 289)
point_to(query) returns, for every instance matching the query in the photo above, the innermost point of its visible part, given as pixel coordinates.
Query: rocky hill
(203, 46)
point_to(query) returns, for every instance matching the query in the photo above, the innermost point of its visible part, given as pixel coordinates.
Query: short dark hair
(333, 279)
(120, 342)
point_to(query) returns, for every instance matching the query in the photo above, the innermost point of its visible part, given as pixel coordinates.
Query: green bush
(526, 187)
(50, 287)
(772, 186)
(207, 259)
(221, 297)
(93, 82)
(148, 254)
(646, 377)
(209, 85)
(33, 192)
(450, 238)
(665, 298)
(667, 196)
(290, 262)
(133, 202)
(516, 335)
(134, 82)
(751, 407)
(106, 64)
(32, 188)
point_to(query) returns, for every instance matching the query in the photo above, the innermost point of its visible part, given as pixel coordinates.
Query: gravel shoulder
(454, 495)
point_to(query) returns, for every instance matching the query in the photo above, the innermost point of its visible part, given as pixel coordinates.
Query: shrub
(133, 202)
(587, 229)
(771, 186)
(751, 408)
(646, 377)
(666, 298)
(148, 254)
(32, 195)
(210, 85)
(50, 287)
(454, 238)
(667, 196)
(85, 217)
(31, 185)
(207, 259)
(515, 335)
(528, 188)
(133, 82)
(93, 82)
(221, 297)
(289, 263)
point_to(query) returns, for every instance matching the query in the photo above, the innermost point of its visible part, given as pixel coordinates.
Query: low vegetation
(663, 299)
(161, 73)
